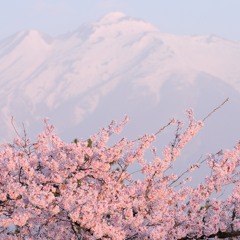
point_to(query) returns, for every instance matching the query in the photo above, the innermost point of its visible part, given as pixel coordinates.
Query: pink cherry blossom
(50, 189)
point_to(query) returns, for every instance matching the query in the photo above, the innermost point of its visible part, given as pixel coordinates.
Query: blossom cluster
(50, 189)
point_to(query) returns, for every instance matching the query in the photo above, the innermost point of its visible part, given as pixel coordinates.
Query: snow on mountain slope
(23, 52)
(211, 54)
(117, 65)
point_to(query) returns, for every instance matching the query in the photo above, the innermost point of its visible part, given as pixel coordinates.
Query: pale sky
(191, 17)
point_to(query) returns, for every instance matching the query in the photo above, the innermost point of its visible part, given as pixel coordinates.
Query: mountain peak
(112, 17)
(34, 36)
(115, 61)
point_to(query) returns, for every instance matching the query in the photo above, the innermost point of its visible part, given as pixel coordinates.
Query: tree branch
(219, 234)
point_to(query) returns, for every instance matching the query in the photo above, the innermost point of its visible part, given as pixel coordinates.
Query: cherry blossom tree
(50, 189)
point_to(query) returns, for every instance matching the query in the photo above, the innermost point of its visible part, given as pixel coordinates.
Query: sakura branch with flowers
(84, 190)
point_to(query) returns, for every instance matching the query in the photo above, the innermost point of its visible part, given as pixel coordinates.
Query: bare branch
(215, 109)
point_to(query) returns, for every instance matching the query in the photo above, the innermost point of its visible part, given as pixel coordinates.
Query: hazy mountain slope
(118, 65)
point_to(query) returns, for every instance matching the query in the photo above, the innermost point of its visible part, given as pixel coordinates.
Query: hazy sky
(219, 17)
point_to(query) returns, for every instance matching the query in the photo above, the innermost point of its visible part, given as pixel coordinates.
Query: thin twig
(12, 122)
(159, 131)
(214, 110)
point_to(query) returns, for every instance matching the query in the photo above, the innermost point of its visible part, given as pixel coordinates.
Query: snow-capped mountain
(115, 66)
